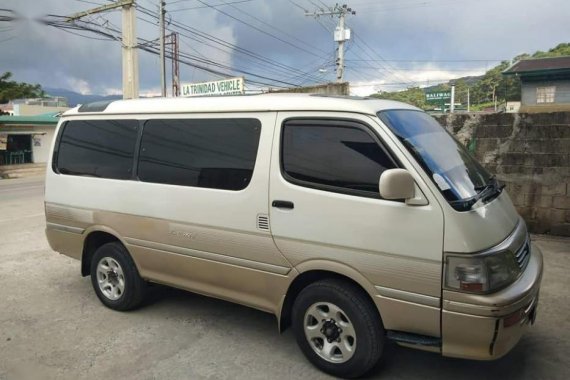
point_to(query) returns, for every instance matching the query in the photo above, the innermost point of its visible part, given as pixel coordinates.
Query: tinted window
(334, 156)
(98, 148)
(214, 153)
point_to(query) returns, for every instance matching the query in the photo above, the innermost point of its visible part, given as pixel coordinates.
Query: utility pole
(468, 100)
(130, 53)
(175, 60)
(175, 65)
(129, 43)
(341, 33)
(162, 12)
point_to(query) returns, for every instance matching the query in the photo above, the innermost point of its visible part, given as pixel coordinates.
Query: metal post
(468, 100)
(452, 105)
(162, 12)
(175, 65)
(130, 55)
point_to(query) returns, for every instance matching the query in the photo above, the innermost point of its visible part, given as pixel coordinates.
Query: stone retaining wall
(530, 154)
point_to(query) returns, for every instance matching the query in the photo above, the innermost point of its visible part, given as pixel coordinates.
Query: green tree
(505, 88)
(414, 95)
(10, 89)
(558, 51)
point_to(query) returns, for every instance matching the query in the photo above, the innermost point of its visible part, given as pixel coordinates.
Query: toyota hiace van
(353, 220)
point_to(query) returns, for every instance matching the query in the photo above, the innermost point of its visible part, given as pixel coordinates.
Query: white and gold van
(352, 220)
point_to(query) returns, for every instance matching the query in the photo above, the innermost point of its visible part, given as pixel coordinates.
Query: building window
(339, 158)
(212, 153)
(545, 94)
(97, 148)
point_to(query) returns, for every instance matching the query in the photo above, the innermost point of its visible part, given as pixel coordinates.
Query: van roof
(241, 103)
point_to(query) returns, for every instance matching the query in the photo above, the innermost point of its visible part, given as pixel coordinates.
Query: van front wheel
(338, 328)
(115, 278)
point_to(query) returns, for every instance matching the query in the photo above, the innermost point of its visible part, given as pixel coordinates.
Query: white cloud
(418, 77)
(442, 29)
(112, 91)
(79, 85)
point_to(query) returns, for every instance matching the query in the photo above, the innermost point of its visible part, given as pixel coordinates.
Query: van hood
(480, 228)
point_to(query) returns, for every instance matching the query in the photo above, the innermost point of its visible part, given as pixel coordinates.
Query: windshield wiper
(491, 190)
(490, 182)
(485, 193)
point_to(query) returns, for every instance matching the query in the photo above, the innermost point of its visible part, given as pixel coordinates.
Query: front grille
(523, 255)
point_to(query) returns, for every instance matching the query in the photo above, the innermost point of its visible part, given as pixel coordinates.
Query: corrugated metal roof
(540, 65)
(50, 118)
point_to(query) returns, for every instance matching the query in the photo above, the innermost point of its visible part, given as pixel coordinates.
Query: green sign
(438, 96)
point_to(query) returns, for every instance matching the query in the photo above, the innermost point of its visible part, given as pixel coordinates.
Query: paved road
(53, 326)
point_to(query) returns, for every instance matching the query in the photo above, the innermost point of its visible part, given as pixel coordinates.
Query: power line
(147, 46)
(417, 70)
(276, 28)
(384, 65)
(204, 6)
(266, 64)
(298, 6)
(259, 30)
(427, 60)
(197, 35)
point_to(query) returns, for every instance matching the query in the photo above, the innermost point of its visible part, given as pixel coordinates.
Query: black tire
(362, 314)
(134, 288)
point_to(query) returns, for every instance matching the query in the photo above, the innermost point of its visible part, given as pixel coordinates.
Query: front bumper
(486, 327)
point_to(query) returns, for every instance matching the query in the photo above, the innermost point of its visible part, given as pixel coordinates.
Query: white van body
(263, 244)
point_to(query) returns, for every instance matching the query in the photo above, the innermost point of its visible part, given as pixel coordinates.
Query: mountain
(75, 98)
(481, 88)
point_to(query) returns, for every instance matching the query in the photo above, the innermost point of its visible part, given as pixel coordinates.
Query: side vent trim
(263, 222)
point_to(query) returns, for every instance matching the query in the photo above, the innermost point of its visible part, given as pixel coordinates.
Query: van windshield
(459, 177)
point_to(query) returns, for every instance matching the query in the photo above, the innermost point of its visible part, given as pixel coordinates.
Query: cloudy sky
(394, 44)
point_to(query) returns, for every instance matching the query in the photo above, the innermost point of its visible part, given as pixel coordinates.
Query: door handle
(283, 204)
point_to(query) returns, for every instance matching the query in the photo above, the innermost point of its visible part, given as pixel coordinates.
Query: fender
(103, 228)
(320, 265)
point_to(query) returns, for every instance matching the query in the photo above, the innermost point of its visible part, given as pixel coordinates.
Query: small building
(36, 106)
(545, 83)
(26, 139)
(512, 107)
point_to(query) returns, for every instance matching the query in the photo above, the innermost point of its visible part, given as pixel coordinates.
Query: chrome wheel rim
(110, 278)
(330, 332)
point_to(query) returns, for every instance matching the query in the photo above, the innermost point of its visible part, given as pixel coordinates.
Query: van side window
(341, 157)
(97, 148)
(212, 153)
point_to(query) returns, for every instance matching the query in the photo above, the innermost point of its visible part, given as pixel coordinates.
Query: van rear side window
(212, 153)
(97, 148)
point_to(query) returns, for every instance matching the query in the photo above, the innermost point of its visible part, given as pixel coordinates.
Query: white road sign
(229, 86)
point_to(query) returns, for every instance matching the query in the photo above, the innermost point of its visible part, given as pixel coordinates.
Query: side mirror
(396, 184)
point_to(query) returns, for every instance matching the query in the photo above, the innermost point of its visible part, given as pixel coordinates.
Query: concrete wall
(325, 89)
(41, 143)
(530, 154)
(31, 110)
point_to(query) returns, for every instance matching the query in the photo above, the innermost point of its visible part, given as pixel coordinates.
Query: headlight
(480, 273)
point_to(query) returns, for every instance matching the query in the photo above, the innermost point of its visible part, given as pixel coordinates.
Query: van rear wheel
(338, 328)
(115, 278)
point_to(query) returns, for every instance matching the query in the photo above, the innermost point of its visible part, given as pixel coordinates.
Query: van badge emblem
(182, 234)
